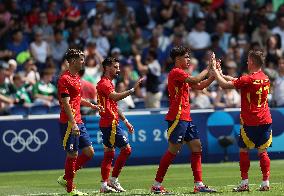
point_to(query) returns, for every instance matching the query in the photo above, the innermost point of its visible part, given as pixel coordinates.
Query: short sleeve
(107, 88)
(242, 82)
(63, 86)
(180, 75)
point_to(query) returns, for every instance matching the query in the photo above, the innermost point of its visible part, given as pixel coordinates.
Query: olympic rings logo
(25, 139)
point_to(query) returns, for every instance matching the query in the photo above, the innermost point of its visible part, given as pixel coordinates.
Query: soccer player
(255, 117)
(113, 135)
(180, 127)
(73, 131)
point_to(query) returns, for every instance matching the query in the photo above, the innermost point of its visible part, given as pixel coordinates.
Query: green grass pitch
(138, 179)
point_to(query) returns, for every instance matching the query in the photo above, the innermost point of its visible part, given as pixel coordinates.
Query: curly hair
(178, 51)
(109, 61)
(73, 53)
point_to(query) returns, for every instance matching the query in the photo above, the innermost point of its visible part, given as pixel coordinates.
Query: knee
(89, 152)
(72, 154)
(127, 150)
(197, 147)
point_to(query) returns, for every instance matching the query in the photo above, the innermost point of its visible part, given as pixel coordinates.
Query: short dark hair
(257, 57)
(109, 61)
(178, 51)
(73, 53)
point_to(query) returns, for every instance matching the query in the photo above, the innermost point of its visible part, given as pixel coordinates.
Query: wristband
(125, 121)
(132, 90)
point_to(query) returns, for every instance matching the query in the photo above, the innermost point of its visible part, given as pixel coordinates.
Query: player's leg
(121, 142)
(246, 141)
(194, 144)
(176, 133)
(263, 143)
(109, 152)
(71, 146)
(85, 145)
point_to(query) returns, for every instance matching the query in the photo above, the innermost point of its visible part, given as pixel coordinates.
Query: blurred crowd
(34, 36)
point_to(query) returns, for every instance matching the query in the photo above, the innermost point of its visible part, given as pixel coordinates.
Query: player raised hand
(138, 82)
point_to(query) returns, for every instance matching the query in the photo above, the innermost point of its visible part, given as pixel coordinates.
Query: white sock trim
(157, 184)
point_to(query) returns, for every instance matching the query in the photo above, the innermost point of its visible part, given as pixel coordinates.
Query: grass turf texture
(138, 179)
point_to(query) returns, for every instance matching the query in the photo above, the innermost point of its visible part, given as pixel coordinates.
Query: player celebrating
(113, 135)
(73, 131)
(180, 126)
(255, 117)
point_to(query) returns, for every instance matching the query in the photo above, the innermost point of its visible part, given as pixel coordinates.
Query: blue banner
(32, 144)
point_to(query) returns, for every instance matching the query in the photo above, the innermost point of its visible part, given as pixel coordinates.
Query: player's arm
(87, 103)
(119, 96)
(196, 79)
(203, 84)
(124, 119)
(222, 81)
(67, 108)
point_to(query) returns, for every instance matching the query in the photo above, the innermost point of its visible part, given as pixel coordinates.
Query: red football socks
(264, 163)
(106, 165)
(120, 161)
(196, 166)
(82, 159)
(165, 162)
(244, 164)
(69, 172)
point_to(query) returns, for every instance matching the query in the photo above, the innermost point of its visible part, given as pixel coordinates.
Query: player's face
(115, 70)
(185, 61)
(79, 63)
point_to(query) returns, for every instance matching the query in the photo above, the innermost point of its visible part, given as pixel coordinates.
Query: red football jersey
(254, 91)
(71, 85)
(104, 88)
(178, 95)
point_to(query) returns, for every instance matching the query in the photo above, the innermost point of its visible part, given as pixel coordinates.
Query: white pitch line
(47, 194)
(257, 184)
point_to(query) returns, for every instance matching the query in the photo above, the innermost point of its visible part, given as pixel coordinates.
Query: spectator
(261, 34)
(6, 89)
(227, 98)
(102, 43)
(74, 40)
(30, 73)
(47, 30)
(40, 49)
(273, 52)
(58, 47)
(278, 90)
(163, 40)
(70, 14)
(144, 15)
(200, 100)
(12, 67)
(44, 92)
(52, 12)
(198, 39)
(279, 29)
(152, 70)
(21, 92)
(126, 103)
(18, 43)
